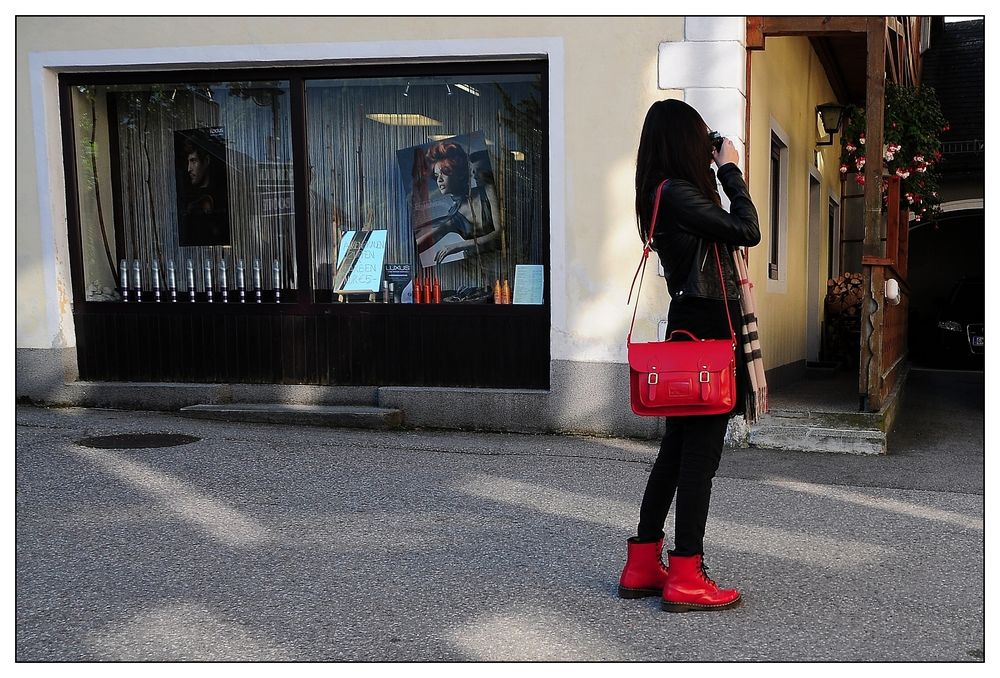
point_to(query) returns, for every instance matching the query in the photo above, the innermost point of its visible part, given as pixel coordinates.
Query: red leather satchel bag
(681, 377)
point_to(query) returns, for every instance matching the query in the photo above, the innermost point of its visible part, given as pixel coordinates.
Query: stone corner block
(714, 28)
(681, 65)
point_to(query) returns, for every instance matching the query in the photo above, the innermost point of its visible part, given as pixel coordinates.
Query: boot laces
(704, 574)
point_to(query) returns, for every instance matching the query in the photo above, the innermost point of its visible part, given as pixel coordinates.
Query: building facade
(219, 205)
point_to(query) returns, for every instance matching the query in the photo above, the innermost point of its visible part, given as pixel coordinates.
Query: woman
(471, 216)
(690, 224)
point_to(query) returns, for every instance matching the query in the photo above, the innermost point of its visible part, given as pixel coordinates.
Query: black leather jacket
(689, 223)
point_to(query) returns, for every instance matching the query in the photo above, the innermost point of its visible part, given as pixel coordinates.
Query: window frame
(777, 264)
(834, 255)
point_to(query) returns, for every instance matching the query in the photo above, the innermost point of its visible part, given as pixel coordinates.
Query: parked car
(960, 326)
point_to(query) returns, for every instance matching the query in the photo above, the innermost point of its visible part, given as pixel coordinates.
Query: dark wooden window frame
(774, 247)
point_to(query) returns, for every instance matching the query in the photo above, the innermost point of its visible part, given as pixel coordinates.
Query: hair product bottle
(172, 280)
(208, 280)
(156, 279)
(123, 279)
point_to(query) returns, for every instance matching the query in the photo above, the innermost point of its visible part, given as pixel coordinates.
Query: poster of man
(454, 209)
(202, 189)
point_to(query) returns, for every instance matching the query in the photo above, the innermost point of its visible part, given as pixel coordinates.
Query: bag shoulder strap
(641, 270)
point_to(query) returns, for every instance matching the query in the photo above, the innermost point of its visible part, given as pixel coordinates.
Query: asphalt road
(277, 543)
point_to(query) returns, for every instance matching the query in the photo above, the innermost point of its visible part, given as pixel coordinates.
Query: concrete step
(348, 416)
(808, 431)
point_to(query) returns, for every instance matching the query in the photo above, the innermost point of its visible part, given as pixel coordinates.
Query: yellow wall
(787, 83)
(610, 79)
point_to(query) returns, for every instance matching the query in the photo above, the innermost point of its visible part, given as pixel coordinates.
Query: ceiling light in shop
(440, 137)
(467, 88)
(404, 119)
(518, 155)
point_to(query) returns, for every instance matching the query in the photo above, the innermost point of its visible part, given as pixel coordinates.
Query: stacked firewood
(844, 294)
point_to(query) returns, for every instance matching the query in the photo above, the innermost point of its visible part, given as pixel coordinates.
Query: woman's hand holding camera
(727, 153)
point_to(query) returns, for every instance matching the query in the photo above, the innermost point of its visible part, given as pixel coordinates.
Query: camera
(716, 140)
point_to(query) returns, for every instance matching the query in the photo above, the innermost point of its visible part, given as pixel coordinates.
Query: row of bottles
(501, 293)
(132, 290)
(427, 289)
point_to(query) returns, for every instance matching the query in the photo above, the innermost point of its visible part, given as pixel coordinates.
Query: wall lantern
(830, 115)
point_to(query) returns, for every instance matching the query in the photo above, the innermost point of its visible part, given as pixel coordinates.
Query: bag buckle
(703, 377)
(653, 379)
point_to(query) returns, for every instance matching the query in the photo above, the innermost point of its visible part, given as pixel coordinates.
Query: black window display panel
(296, 332)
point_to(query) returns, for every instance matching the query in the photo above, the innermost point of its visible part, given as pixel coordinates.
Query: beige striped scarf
(757, 397)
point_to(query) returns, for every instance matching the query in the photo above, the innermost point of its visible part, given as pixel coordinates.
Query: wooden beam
(890, 51)
(918, 61)
(813, 25)
(872, 308)
(755, 32)
(831, 67)
(875, 119)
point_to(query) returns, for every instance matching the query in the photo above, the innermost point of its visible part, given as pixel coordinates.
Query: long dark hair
(674, 145)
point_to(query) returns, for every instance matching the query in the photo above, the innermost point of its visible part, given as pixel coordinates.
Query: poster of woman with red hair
(454, 211)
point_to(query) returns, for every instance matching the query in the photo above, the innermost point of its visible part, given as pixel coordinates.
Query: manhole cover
(137, 441)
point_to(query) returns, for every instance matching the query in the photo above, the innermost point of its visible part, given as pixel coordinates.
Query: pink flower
(843, 168)
(909, 198)
(861, 139)
(850, 147)
(921, 169)
(889, 156)
(902, 173)
(860, 162)
(916, 218)
(918, 158)
(860, 179)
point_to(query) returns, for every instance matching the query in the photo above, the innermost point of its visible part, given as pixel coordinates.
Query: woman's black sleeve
(695, 212)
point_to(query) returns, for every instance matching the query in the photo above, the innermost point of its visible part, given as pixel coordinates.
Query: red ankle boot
(689, 588)
(644, 573)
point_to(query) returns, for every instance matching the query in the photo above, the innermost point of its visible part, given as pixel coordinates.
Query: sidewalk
(263, 542)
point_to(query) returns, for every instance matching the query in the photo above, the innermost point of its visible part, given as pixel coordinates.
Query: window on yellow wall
(778, 206)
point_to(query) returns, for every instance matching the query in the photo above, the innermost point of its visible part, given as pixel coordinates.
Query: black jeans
(688, 459)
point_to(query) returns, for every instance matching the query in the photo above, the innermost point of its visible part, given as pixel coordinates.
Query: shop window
(420, 188)
(426, 189)
(184, 188)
